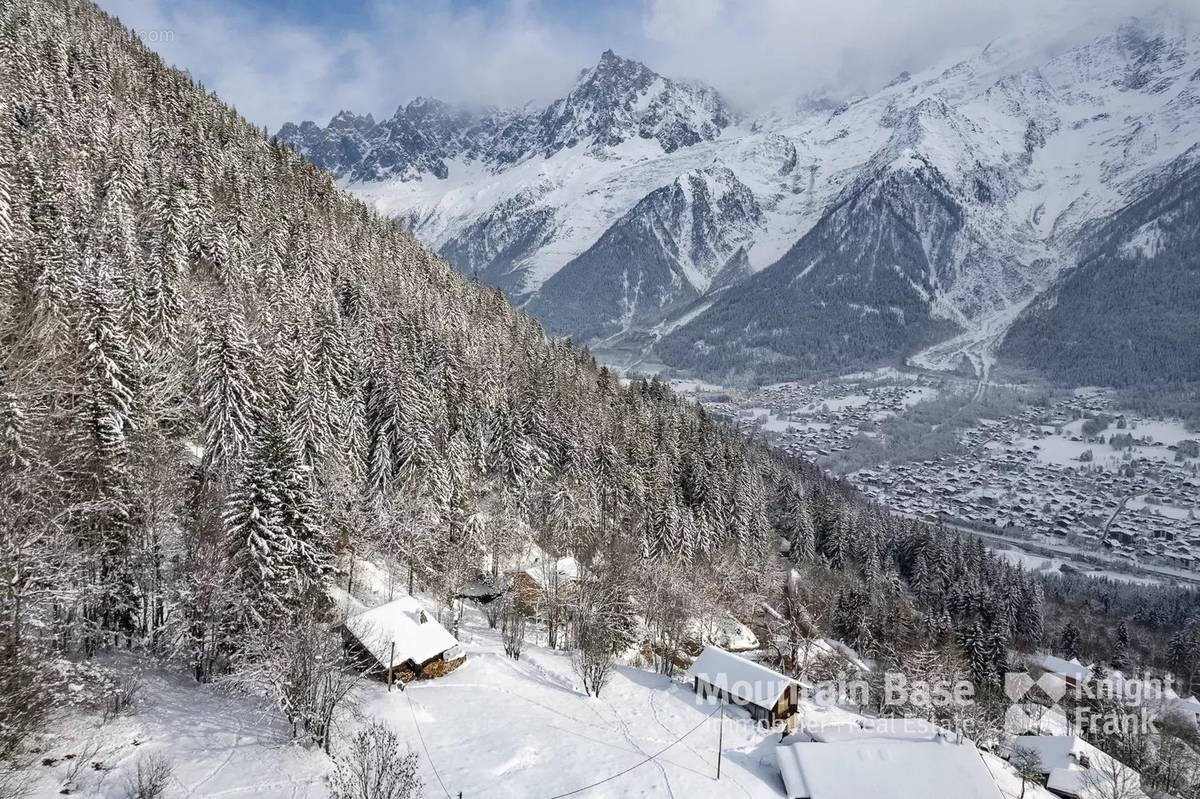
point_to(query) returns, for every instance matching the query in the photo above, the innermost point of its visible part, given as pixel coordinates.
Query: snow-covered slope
(496, 727)
(1129, 313)
(667, 250)
(1012, 150)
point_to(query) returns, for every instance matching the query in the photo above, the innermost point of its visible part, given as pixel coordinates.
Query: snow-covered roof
(725, 631)
(566, 569)
(1065, 760)
(1164, 705)
(1055, 751)
(1067, 781)
(884, 768)
(417, 634)
(749, 681)
(1067, 668)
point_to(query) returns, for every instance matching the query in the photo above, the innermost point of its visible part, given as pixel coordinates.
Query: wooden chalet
(401, 640)
(766, 695)
(1072, 673)
(544, 577)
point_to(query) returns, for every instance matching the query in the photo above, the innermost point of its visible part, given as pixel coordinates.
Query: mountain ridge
(1031, 150)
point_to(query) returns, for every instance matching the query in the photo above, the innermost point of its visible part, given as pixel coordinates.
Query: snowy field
(837, 404)
(1060, 450)
(503, 728)
(218, 745)
(781, 424)
(1162, 432)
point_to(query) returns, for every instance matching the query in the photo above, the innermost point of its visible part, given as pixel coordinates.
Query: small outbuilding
(401, 640)
(767, 695)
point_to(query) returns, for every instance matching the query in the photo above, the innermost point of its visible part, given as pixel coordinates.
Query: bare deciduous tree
(372, 767)
(1109, 778)
(303, 668)
(666, 601)
(1028, 765)
(554, 598)
(597, 621)
(512, 631)
(123, 696)
(1172, 765)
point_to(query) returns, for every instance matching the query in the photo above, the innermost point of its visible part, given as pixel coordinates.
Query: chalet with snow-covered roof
(1072, 672)
(401, 640)
(1185, 709)
(543, 578)
(882, 759)
(1062, 759)
(767, 695)
(1065, 761)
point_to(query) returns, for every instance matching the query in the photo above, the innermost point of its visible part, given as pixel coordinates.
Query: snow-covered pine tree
(972, 642)
(1068, 641)
(100, 452)
(229, 402)
(261, 545)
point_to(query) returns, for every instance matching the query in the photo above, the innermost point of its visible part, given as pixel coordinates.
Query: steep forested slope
(219, 373)
(174, 279)
(1129, 313)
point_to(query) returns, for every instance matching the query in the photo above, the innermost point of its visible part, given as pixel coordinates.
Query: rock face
(665, 252)
(620, 99)
(828, 234)
(616, 101)
(856, 289)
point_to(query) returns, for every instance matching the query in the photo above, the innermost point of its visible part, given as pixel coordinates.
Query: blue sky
(284, 60)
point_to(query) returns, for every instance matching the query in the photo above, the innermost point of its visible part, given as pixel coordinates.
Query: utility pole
(391, 666)
(720, 740)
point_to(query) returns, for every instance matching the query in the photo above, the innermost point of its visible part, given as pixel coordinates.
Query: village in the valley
(1075, 482)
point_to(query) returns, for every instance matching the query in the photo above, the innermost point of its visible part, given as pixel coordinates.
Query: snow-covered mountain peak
(648, 193)
(616, 101)
(620, 99)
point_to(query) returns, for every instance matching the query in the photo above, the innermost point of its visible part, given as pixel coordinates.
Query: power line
(417, 724)
(569, 793)
(642, 763)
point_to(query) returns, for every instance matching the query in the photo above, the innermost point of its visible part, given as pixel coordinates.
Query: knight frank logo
(1017, 687)
(1105, 705)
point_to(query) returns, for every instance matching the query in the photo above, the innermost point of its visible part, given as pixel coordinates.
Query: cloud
(760, 50)
(277, 66)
